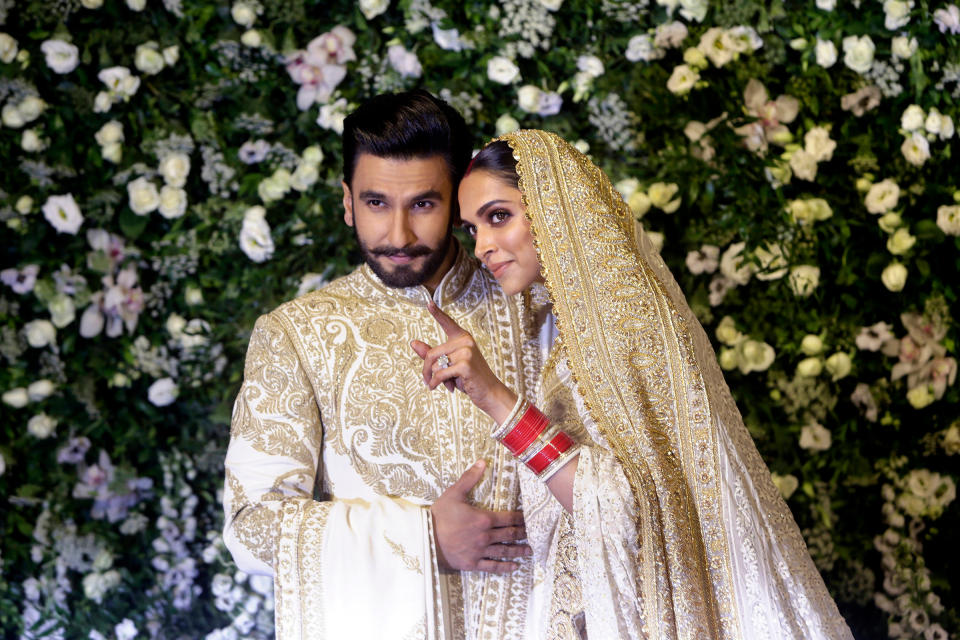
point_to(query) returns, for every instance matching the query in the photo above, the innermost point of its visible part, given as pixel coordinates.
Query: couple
(636, 493)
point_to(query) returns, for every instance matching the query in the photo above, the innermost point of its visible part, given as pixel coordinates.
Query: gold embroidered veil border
(631, 355)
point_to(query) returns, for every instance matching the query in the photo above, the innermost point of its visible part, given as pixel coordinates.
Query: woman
(648, 507)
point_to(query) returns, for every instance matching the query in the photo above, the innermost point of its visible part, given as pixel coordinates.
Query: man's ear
(347, 204)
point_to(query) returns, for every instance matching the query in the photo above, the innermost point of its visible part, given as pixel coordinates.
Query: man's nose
(401, 231)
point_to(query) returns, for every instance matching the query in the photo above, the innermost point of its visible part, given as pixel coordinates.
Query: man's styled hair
(412, 124)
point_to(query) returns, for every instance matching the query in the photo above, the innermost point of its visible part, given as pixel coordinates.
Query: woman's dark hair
(412, 124)
(497, 158)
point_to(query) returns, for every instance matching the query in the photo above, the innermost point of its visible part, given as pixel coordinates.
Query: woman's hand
(466, 369)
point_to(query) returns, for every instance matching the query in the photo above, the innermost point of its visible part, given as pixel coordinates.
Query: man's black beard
(404, 275)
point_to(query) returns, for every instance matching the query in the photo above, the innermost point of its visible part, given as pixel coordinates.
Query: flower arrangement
(172, 171)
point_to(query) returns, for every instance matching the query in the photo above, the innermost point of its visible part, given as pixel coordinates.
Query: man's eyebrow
(432, 194)
(369, 194)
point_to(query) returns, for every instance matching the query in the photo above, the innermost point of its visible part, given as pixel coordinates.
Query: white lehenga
(677, 529)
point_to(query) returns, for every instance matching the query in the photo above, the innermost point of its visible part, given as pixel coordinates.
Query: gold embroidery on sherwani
(343, 352)
(650, 381)
(409, 561)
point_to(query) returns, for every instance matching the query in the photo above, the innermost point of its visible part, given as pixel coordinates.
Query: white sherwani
(337, 448)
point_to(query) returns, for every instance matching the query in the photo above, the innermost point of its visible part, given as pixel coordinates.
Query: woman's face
(493, 215)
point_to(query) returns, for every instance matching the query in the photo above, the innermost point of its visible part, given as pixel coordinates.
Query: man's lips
(400, 258)
(497, 268)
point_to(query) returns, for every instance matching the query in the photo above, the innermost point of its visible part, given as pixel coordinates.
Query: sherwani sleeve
(332, 561)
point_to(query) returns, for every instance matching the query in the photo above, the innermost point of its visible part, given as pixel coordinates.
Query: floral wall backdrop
(171, 170)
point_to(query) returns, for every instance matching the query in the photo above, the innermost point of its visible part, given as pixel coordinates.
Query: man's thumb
(470, 477)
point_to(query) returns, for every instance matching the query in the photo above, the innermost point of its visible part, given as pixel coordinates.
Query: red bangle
(557, 446)
(529, 427)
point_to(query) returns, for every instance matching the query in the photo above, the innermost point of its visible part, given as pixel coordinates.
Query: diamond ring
(443, 361)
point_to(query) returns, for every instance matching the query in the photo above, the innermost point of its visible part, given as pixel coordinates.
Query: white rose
(24, 205)
(16, 398)
(809, 367)
(727, 332)
(41, 426)
(528, 98)
(897, 13)
(62, 57)
(826, 5)
(890, 221)
(733, 266)
(304, 177)
(62, 310)
(916, 149)
(682, 80)
(31, 107)
(728, 359)
(591, 65)
(695, 58)
(826, 53)
(102, 102)
(641, 47)
(803, 164)
(173, 202)
(661, 196)
(91, 4)
(332, 115)
(817, 143)
(372, 8)
(255, 239)
(63, 213)
(31, 142)
(506, 124)
(91, 322)
(275, 187)
(912, 118)
(175, 325)
(815, 437)
(137, 5)
(882, 196)
(811, 345)
(920, 397)
(639, 203)
(109, 133)
(948, 19)
(858, 53)
(551, 5)
(404, 62)
(804, 279)
(148, 60)
(251, 38)
(41, 390)
(193, 296)
(143, 196)
(894, 276)
(40, 333)
(714, 46)
(447, 39)
(694, 9)
(819, 209)
(934, 121)
(243, 14)
(175, 167)
(753, 355)
(112, 152)
(670, 34)
(502, 70)
(948, 219)
(171, 54)
(786, 485)
(903, 47)
(839, 365)
(312, 155)
(12, 117)
(8, 48)
(946, 127)
(900, 242)
(162, 392)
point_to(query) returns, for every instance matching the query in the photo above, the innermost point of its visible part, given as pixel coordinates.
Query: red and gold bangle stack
(530, 437)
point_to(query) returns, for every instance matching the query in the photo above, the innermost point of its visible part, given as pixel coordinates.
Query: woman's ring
(443, 361)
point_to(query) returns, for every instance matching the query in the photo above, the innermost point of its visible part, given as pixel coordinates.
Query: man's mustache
(410, 252)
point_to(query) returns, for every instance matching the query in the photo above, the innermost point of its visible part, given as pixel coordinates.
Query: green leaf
(131, 224)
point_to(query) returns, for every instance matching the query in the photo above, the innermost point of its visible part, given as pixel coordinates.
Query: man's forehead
(401, 175)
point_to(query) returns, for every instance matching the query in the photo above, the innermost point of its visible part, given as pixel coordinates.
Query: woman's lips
(498, 268)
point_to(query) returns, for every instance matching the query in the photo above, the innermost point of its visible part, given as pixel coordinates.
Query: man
(346, 478)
